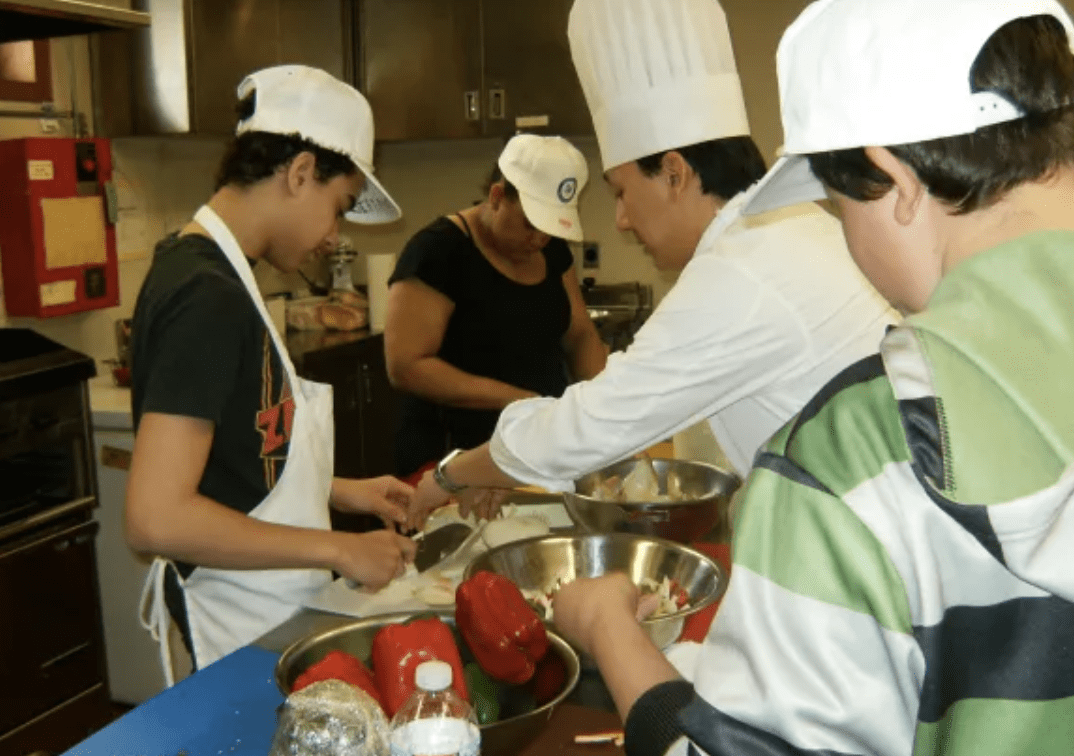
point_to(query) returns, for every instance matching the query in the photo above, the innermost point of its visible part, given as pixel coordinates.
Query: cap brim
(561, 221)
(374, 205)
(790, 182)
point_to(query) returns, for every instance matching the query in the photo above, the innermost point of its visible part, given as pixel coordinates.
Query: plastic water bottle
(435, 721)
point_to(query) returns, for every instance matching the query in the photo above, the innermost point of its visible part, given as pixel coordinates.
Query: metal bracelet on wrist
(441, 477)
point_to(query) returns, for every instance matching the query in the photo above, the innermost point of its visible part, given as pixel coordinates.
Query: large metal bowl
(535, 563)
(503, 738)
(706, 489)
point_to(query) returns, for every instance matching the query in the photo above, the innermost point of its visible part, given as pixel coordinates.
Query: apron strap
(154, 616)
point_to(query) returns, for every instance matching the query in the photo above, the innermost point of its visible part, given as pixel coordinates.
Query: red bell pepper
(339, 665)
(549, 679)
(502, 630)
(399, 649)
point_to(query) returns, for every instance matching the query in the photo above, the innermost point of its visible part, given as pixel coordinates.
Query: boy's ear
(301, 170)
(910, 190)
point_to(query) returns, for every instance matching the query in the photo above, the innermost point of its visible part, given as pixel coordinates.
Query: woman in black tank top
(484, 306)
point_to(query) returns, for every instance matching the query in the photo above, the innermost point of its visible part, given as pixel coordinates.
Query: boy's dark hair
(257, 155)
(726, 167)
(1027, 61)
(509, 190)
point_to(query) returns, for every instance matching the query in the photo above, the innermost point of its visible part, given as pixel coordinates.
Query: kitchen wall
(161, 181)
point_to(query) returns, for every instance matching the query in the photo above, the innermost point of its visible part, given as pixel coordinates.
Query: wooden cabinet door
(380, 409)
(51, 647)
(529, 74)
(418, 60)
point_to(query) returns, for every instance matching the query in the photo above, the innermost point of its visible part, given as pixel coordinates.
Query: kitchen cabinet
(180, 75)
(365, 404)
(468, 68)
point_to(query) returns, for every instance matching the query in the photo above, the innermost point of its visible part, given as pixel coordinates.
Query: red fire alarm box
(58, 228)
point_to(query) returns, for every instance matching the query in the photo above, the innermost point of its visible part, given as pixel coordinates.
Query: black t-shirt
(499, 329)
(200, 349)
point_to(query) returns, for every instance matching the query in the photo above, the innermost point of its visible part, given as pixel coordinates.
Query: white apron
(227, 609)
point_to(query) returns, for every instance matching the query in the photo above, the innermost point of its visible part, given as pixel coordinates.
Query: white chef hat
(657, 74)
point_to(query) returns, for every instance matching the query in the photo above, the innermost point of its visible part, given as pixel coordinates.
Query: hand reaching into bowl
(587, 609)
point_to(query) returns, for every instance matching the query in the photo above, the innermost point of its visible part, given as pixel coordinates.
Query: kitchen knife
(438, 544)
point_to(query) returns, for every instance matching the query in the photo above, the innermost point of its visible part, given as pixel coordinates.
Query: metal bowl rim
(721, 579)
(733, 476)
(568, 654)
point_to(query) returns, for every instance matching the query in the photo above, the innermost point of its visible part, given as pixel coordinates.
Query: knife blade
(434, 546)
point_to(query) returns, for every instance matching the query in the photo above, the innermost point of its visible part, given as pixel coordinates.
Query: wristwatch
(440, 474)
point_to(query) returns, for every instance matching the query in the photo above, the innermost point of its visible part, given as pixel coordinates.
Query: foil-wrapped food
(331, 718)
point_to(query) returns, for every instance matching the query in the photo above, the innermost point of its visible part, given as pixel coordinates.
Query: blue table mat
(226, 709)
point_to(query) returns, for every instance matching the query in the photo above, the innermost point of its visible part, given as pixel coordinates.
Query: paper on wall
(74, 231)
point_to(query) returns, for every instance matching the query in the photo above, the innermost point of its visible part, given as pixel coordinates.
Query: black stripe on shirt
(720, 735)
(973, 518)
(788, 469)
(864, 370)
(1020, 650)
(921, 424)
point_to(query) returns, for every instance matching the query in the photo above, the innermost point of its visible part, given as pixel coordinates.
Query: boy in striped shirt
(903, 580)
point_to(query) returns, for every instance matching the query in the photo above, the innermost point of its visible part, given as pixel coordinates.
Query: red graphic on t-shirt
(276, 418)
(275, 424)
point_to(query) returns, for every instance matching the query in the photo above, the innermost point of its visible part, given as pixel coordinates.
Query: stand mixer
(339, 263)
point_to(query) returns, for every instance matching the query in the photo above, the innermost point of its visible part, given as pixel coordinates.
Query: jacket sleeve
(718, 336)
(812, 650)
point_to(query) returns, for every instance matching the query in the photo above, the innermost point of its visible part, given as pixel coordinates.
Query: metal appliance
(58, 238)
(617, 310)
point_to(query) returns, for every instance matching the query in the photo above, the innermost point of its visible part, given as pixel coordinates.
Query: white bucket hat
(859, 73)
(319, 107)
(657, 75)
(549, 173)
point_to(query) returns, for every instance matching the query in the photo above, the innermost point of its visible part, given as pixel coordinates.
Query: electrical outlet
(590, 255)
(50, 126)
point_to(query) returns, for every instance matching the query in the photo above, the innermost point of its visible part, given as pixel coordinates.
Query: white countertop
(110, 404)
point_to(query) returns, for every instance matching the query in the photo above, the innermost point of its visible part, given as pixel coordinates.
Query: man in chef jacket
(766, 310)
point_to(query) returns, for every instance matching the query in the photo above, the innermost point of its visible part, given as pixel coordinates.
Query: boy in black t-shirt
(231, 474)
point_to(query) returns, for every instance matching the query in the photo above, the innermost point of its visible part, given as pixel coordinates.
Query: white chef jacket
(768, 310)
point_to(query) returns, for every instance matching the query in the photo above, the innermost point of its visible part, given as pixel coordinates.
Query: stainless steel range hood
(41, 19)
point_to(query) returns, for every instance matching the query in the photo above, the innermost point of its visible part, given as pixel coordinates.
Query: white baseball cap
(549, 173)
(319, 107)
(859, 73)
(657, 75)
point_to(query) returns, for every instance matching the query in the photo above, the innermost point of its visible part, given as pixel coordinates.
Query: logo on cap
(568, 187)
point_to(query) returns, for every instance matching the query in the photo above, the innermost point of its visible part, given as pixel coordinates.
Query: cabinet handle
(497, 104)
(472, 105)
(41, 422)
(59, 658)
(367, 384)
(61, 546)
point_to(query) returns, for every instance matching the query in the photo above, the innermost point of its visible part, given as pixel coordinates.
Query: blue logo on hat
(568, 187)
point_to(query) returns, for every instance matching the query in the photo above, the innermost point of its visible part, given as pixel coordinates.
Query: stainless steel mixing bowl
(706, 490)
(536, 563)
(504, 738)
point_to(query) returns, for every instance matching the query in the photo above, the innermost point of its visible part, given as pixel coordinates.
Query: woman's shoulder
(558, 255)
(436, 254)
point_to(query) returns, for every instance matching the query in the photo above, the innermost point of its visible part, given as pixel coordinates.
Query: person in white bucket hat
(902, 578)
(232, 473)
(763, 313)
(484, 305)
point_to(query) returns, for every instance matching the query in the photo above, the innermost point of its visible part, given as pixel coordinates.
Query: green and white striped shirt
(904, 549)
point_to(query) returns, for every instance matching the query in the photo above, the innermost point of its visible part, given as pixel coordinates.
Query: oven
(52, 662)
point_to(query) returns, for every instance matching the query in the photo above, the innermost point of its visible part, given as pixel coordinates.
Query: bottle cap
(433, 676)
